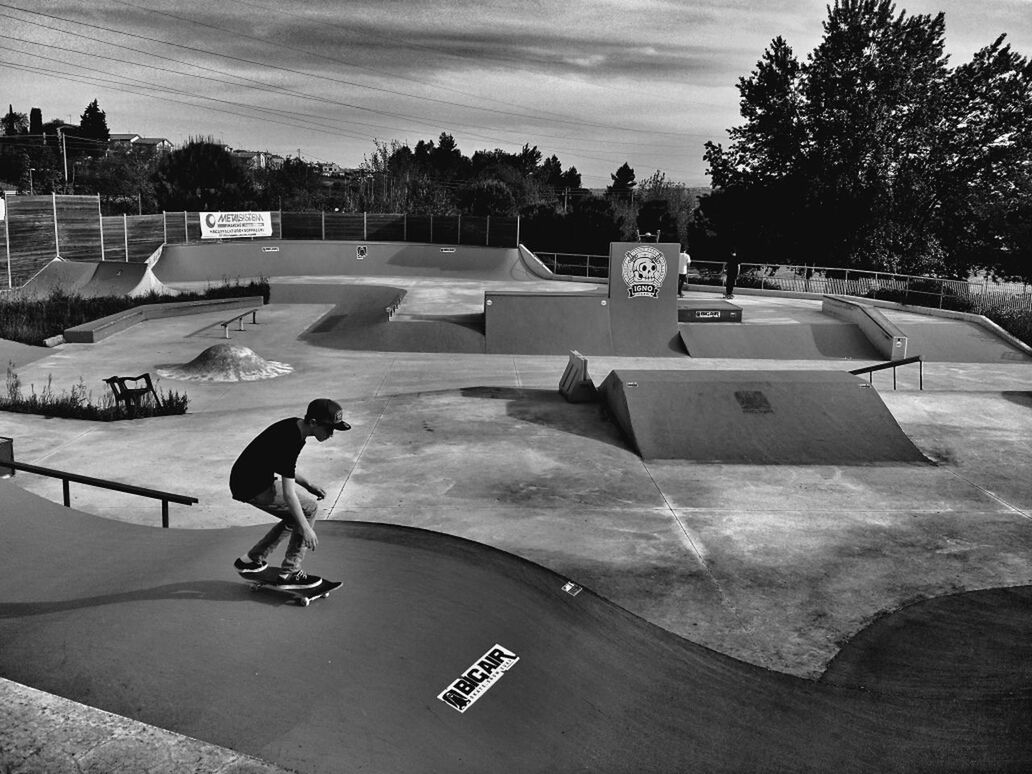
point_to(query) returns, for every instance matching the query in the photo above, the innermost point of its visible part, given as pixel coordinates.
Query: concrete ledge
(96, 330)
(42, 732)
(888, 339)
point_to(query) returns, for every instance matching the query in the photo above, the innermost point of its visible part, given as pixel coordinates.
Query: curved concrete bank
(280, 258)
(442, 655)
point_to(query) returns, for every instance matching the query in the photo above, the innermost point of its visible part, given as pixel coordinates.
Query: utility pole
(64, 155)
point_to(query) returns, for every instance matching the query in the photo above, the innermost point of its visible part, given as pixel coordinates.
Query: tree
(91, 137)
(984, 163)
(123, 178)
(202, 176)
(486, 197)
(14, 123)
(834, 163)
(622, 187)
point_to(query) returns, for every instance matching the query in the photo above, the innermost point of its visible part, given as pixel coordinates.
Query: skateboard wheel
(304, 601)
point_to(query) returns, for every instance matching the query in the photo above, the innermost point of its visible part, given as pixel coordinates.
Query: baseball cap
(328, 412)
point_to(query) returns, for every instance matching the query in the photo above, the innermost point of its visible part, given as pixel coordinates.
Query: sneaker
(249, 566)
(298, 579)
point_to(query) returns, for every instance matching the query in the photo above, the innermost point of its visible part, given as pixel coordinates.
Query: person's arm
(300, 522)
(317, 491)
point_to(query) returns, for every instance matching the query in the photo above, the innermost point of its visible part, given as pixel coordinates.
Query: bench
(132, 397)
(239, 319)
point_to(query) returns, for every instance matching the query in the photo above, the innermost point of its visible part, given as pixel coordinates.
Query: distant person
(731, 269)
(274, 451)
(682, 270)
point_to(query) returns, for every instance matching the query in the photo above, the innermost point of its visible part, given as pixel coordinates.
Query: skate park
(854, 610)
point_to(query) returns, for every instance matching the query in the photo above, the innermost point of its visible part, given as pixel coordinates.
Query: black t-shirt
(274, 450)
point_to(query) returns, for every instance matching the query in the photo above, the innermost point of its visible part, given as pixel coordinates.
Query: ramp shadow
(202, 590)
(549, 409)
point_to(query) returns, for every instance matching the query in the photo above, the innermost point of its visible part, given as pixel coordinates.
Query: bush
(1017, 322)
(78, 403)
(33, 320)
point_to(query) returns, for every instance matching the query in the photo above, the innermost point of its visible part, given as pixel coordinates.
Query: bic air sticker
(644, 269)
(475, 681)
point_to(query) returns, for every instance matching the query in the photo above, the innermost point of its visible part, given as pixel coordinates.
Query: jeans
(271, 501)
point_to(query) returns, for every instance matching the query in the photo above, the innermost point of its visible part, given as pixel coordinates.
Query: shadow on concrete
(201, 590)
(548, 408)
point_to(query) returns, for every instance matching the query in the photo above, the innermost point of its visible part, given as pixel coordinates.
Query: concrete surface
(370, 679)
(779, 567)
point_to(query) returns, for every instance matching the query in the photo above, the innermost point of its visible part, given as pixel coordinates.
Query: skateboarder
(682, 270)
(732, 267)
(253, 480)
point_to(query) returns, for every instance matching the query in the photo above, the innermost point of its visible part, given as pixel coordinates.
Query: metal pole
(57, 239)
(186, 228)
(164, 514)
(100, 217)
(125, 233)
(365, 226)
(7, 242)
(324, 225)
(487, 233)
(518, 228)
(66, 492)
(164, 227)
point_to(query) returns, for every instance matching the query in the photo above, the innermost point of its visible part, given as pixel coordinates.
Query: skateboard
(269, 579)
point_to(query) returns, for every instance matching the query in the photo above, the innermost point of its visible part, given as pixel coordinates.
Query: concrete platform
(779, 567)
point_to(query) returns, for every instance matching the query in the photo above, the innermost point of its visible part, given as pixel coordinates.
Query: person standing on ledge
(731, 271)
(682, 270)
(274, 452)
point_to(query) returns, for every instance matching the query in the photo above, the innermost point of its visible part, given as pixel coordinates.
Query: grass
(31, 320)
(77, 403)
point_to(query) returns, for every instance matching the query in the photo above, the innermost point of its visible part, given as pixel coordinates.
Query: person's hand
(317, 491)
(309, 538)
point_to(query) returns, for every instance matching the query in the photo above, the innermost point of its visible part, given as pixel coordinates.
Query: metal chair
(132, 397)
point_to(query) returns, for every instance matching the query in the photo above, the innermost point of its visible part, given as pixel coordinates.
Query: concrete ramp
(797, 341)
(92, 279)
(290, 258)
(116, 278)
(756, 417)
(438, 655)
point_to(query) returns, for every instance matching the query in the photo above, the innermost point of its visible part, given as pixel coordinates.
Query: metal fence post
(323, 225)
(57, 239)
(365, 226)
(100, 222)
(186, 228)
(487, 232)
(125, 234)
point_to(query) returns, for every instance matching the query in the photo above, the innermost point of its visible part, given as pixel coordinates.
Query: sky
(596, 83)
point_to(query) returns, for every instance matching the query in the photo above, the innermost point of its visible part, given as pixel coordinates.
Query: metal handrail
(893, 364)
(66, 478)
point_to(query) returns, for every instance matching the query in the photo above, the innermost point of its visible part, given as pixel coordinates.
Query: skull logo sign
(644, 269)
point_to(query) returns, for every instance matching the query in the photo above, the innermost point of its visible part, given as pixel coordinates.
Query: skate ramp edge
(283, 258)
(756, 417)
(887, 338)
(487, 661)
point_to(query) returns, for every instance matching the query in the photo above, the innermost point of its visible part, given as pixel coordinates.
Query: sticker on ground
(481, 675)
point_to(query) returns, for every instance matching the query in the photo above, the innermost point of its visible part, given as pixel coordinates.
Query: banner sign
(481, 675)
(232, 225)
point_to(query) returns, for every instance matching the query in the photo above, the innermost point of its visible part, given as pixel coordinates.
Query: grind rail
(66, 478)
(893, 364)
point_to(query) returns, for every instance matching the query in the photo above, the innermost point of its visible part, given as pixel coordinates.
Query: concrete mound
(226, 362)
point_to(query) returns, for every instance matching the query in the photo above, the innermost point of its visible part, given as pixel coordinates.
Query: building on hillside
(258, 159)
(133, 140)
(330, 169)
